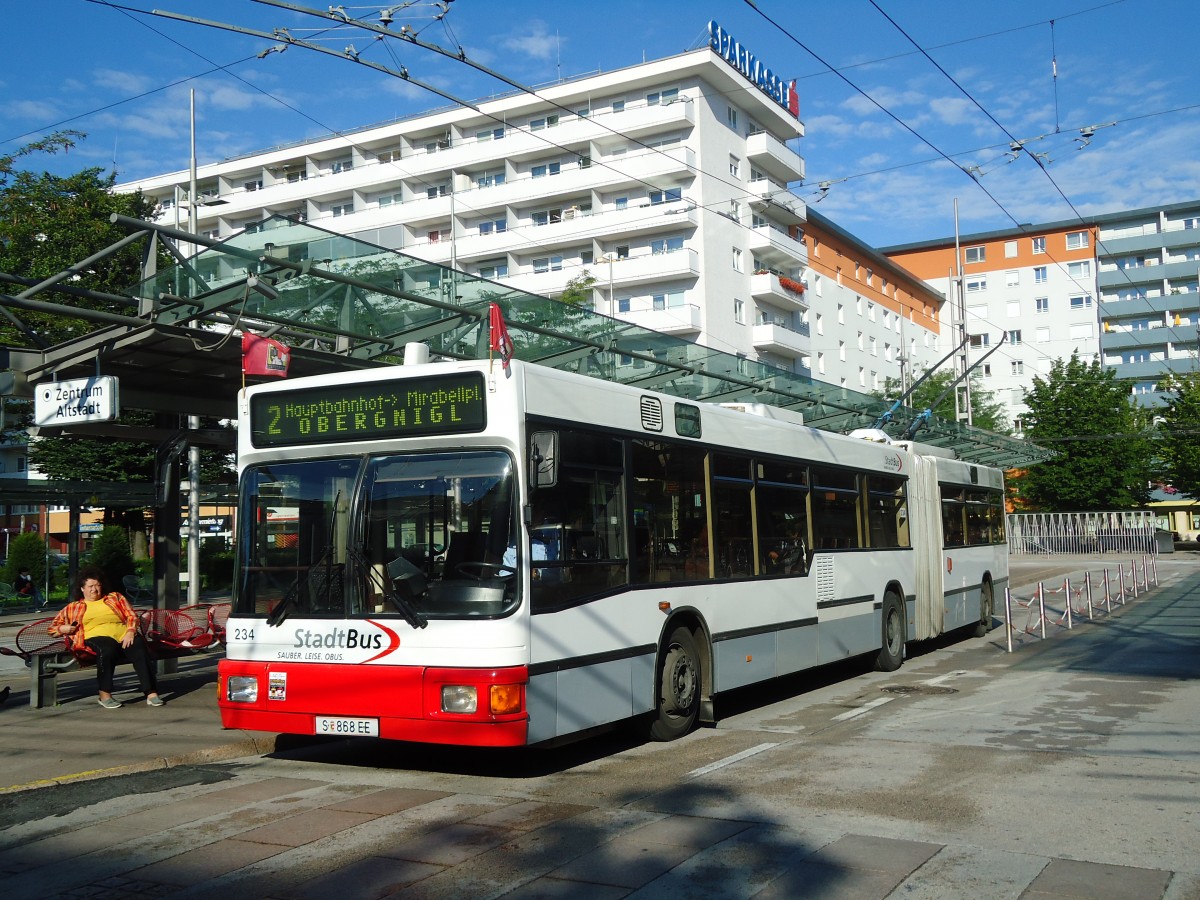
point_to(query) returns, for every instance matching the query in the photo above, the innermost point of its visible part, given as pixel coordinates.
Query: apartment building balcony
(1150, 369)
(1124, 246)
(776, 246)
(772, 156)
(772, 337)
(784, 206)
(769, 287)
(680, 321)
(645, 269)
(1144, 338)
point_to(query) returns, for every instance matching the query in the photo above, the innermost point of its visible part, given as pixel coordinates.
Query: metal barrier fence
(1090, 532)
(1088, 597)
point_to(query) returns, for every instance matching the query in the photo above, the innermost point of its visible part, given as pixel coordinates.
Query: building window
(1081, 301)
(342, 209)
(987, 370)
(496, 226)
(1080, 269)
(623, 305)
(976, 284)
(735, 211)
(842, 351)
(1012, 278)
(585, 161)
(731, 116)
(1039, 245)
(1042, 304)
(1013, 308)
(618, 106)
(545, 169)
(543, 123)
(1014, 336)
(1039, 275)
(547, 216)
(666, 245)
(1077, 240)
(494, 270)
(737, 261)
(980, 340)
(657, 197)
(1081, 331)
(622, 251)
(1016, 367)
(296, 177)
(390, 199)
(489, 134)
(735, 167)
(1010, 249)
(669, 300)
(739, 311)
(341, 165)
(547, 264)
(490, 179)
(440, 190)
(975, 254)
(1043, 335)
(252, 185)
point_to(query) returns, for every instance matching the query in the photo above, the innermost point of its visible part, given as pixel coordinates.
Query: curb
(251, 746)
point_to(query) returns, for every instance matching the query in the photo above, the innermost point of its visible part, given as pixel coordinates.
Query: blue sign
(782, 92)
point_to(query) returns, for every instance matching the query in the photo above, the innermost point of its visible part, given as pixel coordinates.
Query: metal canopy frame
(343, 303)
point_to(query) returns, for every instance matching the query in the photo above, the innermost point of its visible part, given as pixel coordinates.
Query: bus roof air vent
(652, 414)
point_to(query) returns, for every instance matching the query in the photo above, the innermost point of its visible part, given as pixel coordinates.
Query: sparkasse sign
(73, 402)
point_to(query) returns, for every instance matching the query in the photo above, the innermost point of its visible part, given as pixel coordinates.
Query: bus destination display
(443, 404)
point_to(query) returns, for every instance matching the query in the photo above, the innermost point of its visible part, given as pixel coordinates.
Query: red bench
(169, 634)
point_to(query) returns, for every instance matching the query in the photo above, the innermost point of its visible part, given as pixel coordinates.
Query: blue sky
(123, 77)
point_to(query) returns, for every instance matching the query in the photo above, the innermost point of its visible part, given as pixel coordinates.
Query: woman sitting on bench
(104, 624)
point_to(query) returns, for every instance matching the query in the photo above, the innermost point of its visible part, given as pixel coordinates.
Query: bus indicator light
(505, 699)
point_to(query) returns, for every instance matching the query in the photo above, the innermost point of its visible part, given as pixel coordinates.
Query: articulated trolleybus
(451, 553)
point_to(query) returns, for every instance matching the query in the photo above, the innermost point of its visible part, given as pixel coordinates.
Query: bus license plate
(346, 727)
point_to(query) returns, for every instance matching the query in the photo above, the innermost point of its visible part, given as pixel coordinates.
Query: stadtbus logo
(893, 462)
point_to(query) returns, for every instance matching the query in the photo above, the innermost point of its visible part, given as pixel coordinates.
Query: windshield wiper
(279, 613)
(371, 576)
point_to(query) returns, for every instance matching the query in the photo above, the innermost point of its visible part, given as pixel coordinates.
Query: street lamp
(610, 259)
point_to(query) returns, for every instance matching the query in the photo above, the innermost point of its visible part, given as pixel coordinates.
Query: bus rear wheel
(985, 610)
(891, 654)
(678, 688)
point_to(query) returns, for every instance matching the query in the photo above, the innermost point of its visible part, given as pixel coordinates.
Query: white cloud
(116, 80)
(538, 42)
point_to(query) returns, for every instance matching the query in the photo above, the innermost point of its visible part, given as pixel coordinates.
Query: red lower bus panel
(405, 699)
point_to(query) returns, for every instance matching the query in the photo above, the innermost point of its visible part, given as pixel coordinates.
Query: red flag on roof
(264, 356)
(500, 341)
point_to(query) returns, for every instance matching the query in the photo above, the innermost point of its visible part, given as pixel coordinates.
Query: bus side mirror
(543, 459)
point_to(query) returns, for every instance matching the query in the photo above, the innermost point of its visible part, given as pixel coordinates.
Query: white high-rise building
(666, 182)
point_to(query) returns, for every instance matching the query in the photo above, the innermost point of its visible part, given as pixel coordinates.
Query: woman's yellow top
(99, 620)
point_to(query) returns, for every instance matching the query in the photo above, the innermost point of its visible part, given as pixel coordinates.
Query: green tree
(48, 223)
(986, 412)
(1179, 432)
(111, 553)
(578, 291)
(1105, 455)
(26, 551)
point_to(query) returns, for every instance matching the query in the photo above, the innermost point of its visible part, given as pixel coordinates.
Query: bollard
(1042, 608)
(1133, 578)
(1154, 567)
(1087, 589)
(1008, 627)
(1121, 582)
(1069, 613)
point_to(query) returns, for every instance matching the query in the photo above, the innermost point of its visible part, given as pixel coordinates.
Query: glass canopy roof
(344, 296)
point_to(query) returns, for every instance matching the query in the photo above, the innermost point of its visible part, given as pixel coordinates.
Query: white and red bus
(451, 553)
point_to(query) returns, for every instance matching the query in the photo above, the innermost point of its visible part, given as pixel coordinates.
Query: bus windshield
(423, 536)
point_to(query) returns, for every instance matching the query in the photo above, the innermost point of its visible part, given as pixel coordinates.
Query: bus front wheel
(891, 654)
(678, 687)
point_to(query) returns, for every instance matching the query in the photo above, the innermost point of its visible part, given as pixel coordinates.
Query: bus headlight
(459, 698)
(241, 689)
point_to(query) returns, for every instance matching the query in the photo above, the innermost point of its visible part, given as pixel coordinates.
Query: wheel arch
(691, 618)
